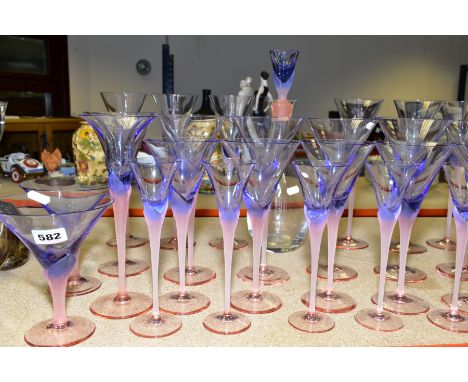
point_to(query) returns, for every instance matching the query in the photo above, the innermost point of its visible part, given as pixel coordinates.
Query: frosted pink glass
(333, 220)
(258, 223)
(191, 234)
(405, 221)
(462, 238)
(448, 222)
(282, 108)
(229, 229)
(154, 229)
(58, 287)
(351, 199)
(263, 261)
(182, 221)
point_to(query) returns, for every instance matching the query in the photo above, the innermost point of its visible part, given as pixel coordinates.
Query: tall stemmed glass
(390, 181)
(229, 177)
(271, 158)
(453, 319)
(318, 181)
(230, 106)
(185, 185)
(77, 284)
(129, 103)
(355, 108)
(154, 176)
(54, 239)
(120, 135)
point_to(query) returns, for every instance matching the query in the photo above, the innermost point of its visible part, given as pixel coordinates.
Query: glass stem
(263, 260)
(257, 219)
(351, 199)
(58, 289)
(75, 274)
(333, 221)
(448, 223)
(229, 228)
(461, 228)
(191, 234)
(405, 221)
(386, 229)
(121, 203)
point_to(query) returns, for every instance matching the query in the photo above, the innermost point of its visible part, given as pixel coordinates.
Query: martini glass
(229, 177)
(355, 108)
(318, 181)
(129, 103)
(154, 176)
(434, 155)
(184, 187)
(230, 106)
(390, 181)
(417, 109)
(77, 284)
(120, 135)
(262, 129)
(271, 157)
(54, 239)
(453, 319)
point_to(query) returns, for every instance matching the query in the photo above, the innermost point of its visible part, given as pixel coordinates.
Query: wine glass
(120, 135)
(390, 181)
(55, 238)
(229, 177)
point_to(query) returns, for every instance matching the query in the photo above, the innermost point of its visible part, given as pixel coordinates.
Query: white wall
(386, 67)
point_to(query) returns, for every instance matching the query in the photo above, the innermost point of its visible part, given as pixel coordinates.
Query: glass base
(109, 306)
(256, 303)
(13, 262)
(444, 319)
(306, 321)
(268, 275)
(148, 326)
(448, 270)
(462, 301)
(183, 303)
(85, 285)
(170, 243)
(227, 323)
(412, 275)
(334, 302)
(407, 304)
(195, 275)
(238, 244)
(132, 268)
(340, 272)
(130, 241)
(77, 329)
(446, 244)
(413, 249)
(350, 243)
(383, 322)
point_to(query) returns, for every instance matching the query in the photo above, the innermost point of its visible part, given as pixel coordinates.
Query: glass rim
(374, 119)
(230, 95)
(417, 100)
(412, 119)
(245, 162)
(336, 140)
(358, 99)
(405, 143)
(268, 117)
(156, 159)
(191, 116)
(284, 50)
(163, 140)
(123, 92)
(326, 164)
(393, 163)
(153, 94)
(253, 140)
(115, 113)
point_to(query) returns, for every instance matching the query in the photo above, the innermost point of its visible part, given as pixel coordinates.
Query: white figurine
(246, 87)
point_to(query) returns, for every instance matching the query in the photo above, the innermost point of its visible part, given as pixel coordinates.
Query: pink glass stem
(174, 228)
(462, 237)
(263, 261)
(229, 228)
(316, 228)
(58, 288)
(191, 234)
(182, 220)
(333, 220)
(448, 223)
(121, 203)
(154, 230)
(257, 219)
(75, 274)
(351, 199)
(387, 224)
(405, 221)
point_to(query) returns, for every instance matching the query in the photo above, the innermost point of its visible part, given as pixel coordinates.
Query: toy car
(19, 166)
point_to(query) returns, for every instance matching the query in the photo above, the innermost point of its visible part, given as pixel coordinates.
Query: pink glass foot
(83, 285)
(340, 272)
(384, 322)
(412, 249)
(462, 301)
(413, 275)
(148, 326)
(238, 244)
(334, 302)
(256, 303)
(350, 243)
(195, 275)
(132, 268)
(78, 329)
(448, 270)
(311, 322)
(130, 241)
(227, 323)
(170, 243)
(269, 275)
(183, 303)
(407, 304)
(446, 244)
(109, 306)
(444, 319)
